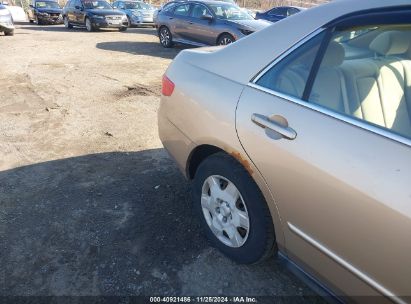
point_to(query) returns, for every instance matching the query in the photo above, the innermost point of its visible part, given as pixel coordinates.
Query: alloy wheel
(225, 41)
(225, 211)
(165, 37)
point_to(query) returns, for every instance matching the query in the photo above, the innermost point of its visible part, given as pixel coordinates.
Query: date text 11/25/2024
(236, 299)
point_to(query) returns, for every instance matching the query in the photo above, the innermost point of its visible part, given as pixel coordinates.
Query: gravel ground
(90, 203)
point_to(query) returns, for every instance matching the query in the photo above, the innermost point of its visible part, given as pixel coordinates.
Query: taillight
(168, 86)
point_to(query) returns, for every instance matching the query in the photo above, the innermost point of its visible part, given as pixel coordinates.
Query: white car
(17, 13)
(6, 21)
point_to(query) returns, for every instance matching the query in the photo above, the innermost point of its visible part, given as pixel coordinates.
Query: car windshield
(47, 4)
(228, 11)
(137, 5)
(96, 5)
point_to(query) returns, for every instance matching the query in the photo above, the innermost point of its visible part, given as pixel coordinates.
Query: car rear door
(341, 183)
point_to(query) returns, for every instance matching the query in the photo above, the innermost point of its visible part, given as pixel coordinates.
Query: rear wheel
(225, 39)
(122, 29)
(165, 36)
(89, 25)
(67, 23)
(232, 210)
(9, 33)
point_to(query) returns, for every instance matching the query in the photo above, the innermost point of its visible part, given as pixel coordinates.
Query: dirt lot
(90, 204)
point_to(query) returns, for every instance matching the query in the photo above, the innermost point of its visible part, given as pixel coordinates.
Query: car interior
(366, 76)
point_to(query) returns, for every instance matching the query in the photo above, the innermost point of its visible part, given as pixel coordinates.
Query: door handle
(265, 122)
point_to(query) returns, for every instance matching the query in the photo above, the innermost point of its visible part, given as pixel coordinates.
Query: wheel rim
(225, 41)
(225, 211)
(88, 25)
(164, 37)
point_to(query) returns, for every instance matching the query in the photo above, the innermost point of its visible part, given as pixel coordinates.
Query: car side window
(375, 88)
(279, 11)
(182, 10)
(199, 11)
(290, 75)
(291, 11)
(115, 5)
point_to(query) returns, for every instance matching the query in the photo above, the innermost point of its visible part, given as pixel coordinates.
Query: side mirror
(77, 7)
(207, 17)
(31, 5)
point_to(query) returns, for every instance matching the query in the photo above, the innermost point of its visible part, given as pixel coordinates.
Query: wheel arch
(201, 152)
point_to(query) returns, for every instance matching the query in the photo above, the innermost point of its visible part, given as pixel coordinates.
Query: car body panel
(361, 182)
(205, 124)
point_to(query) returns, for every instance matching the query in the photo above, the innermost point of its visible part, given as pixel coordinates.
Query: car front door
(332, 138)
(200, 29)
(79, 12)
(179, 21)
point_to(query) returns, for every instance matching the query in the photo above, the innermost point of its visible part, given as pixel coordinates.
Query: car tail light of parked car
(168, 86)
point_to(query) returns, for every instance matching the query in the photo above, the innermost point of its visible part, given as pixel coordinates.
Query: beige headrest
(334, 56)
(391, 43)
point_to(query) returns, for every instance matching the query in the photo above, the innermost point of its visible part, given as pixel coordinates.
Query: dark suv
(93, 15)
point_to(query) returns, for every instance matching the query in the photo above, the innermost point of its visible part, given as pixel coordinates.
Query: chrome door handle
(265, 122)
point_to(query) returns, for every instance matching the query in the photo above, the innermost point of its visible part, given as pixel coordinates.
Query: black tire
(260, 243)
(9, 33)
(166, 39)
(225, 39)
(122, 29)
(89, 25)
(67, 23)
(39, 22)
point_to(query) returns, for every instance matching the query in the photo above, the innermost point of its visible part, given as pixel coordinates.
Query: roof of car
(278, 37)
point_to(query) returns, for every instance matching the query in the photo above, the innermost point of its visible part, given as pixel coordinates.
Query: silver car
(203, 23)
(305, 150)
(138, 13)
(6, 21)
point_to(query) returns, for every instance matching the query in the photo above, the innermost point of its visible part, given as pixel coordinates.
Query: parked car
(93, 15)
(6, 21)
(138, 13)
(205, 23)
(17, 13)
(45, 12)
(278, 13)
(305, 150)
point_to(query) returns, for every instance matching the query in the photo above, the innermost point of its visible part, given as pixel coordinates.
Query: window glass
(199, 11)
(366, 74)
(290, 75)
(292, 11)
(47, 4)
(100, 4)
(279, 11)
(227, 11)
(182, 10)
